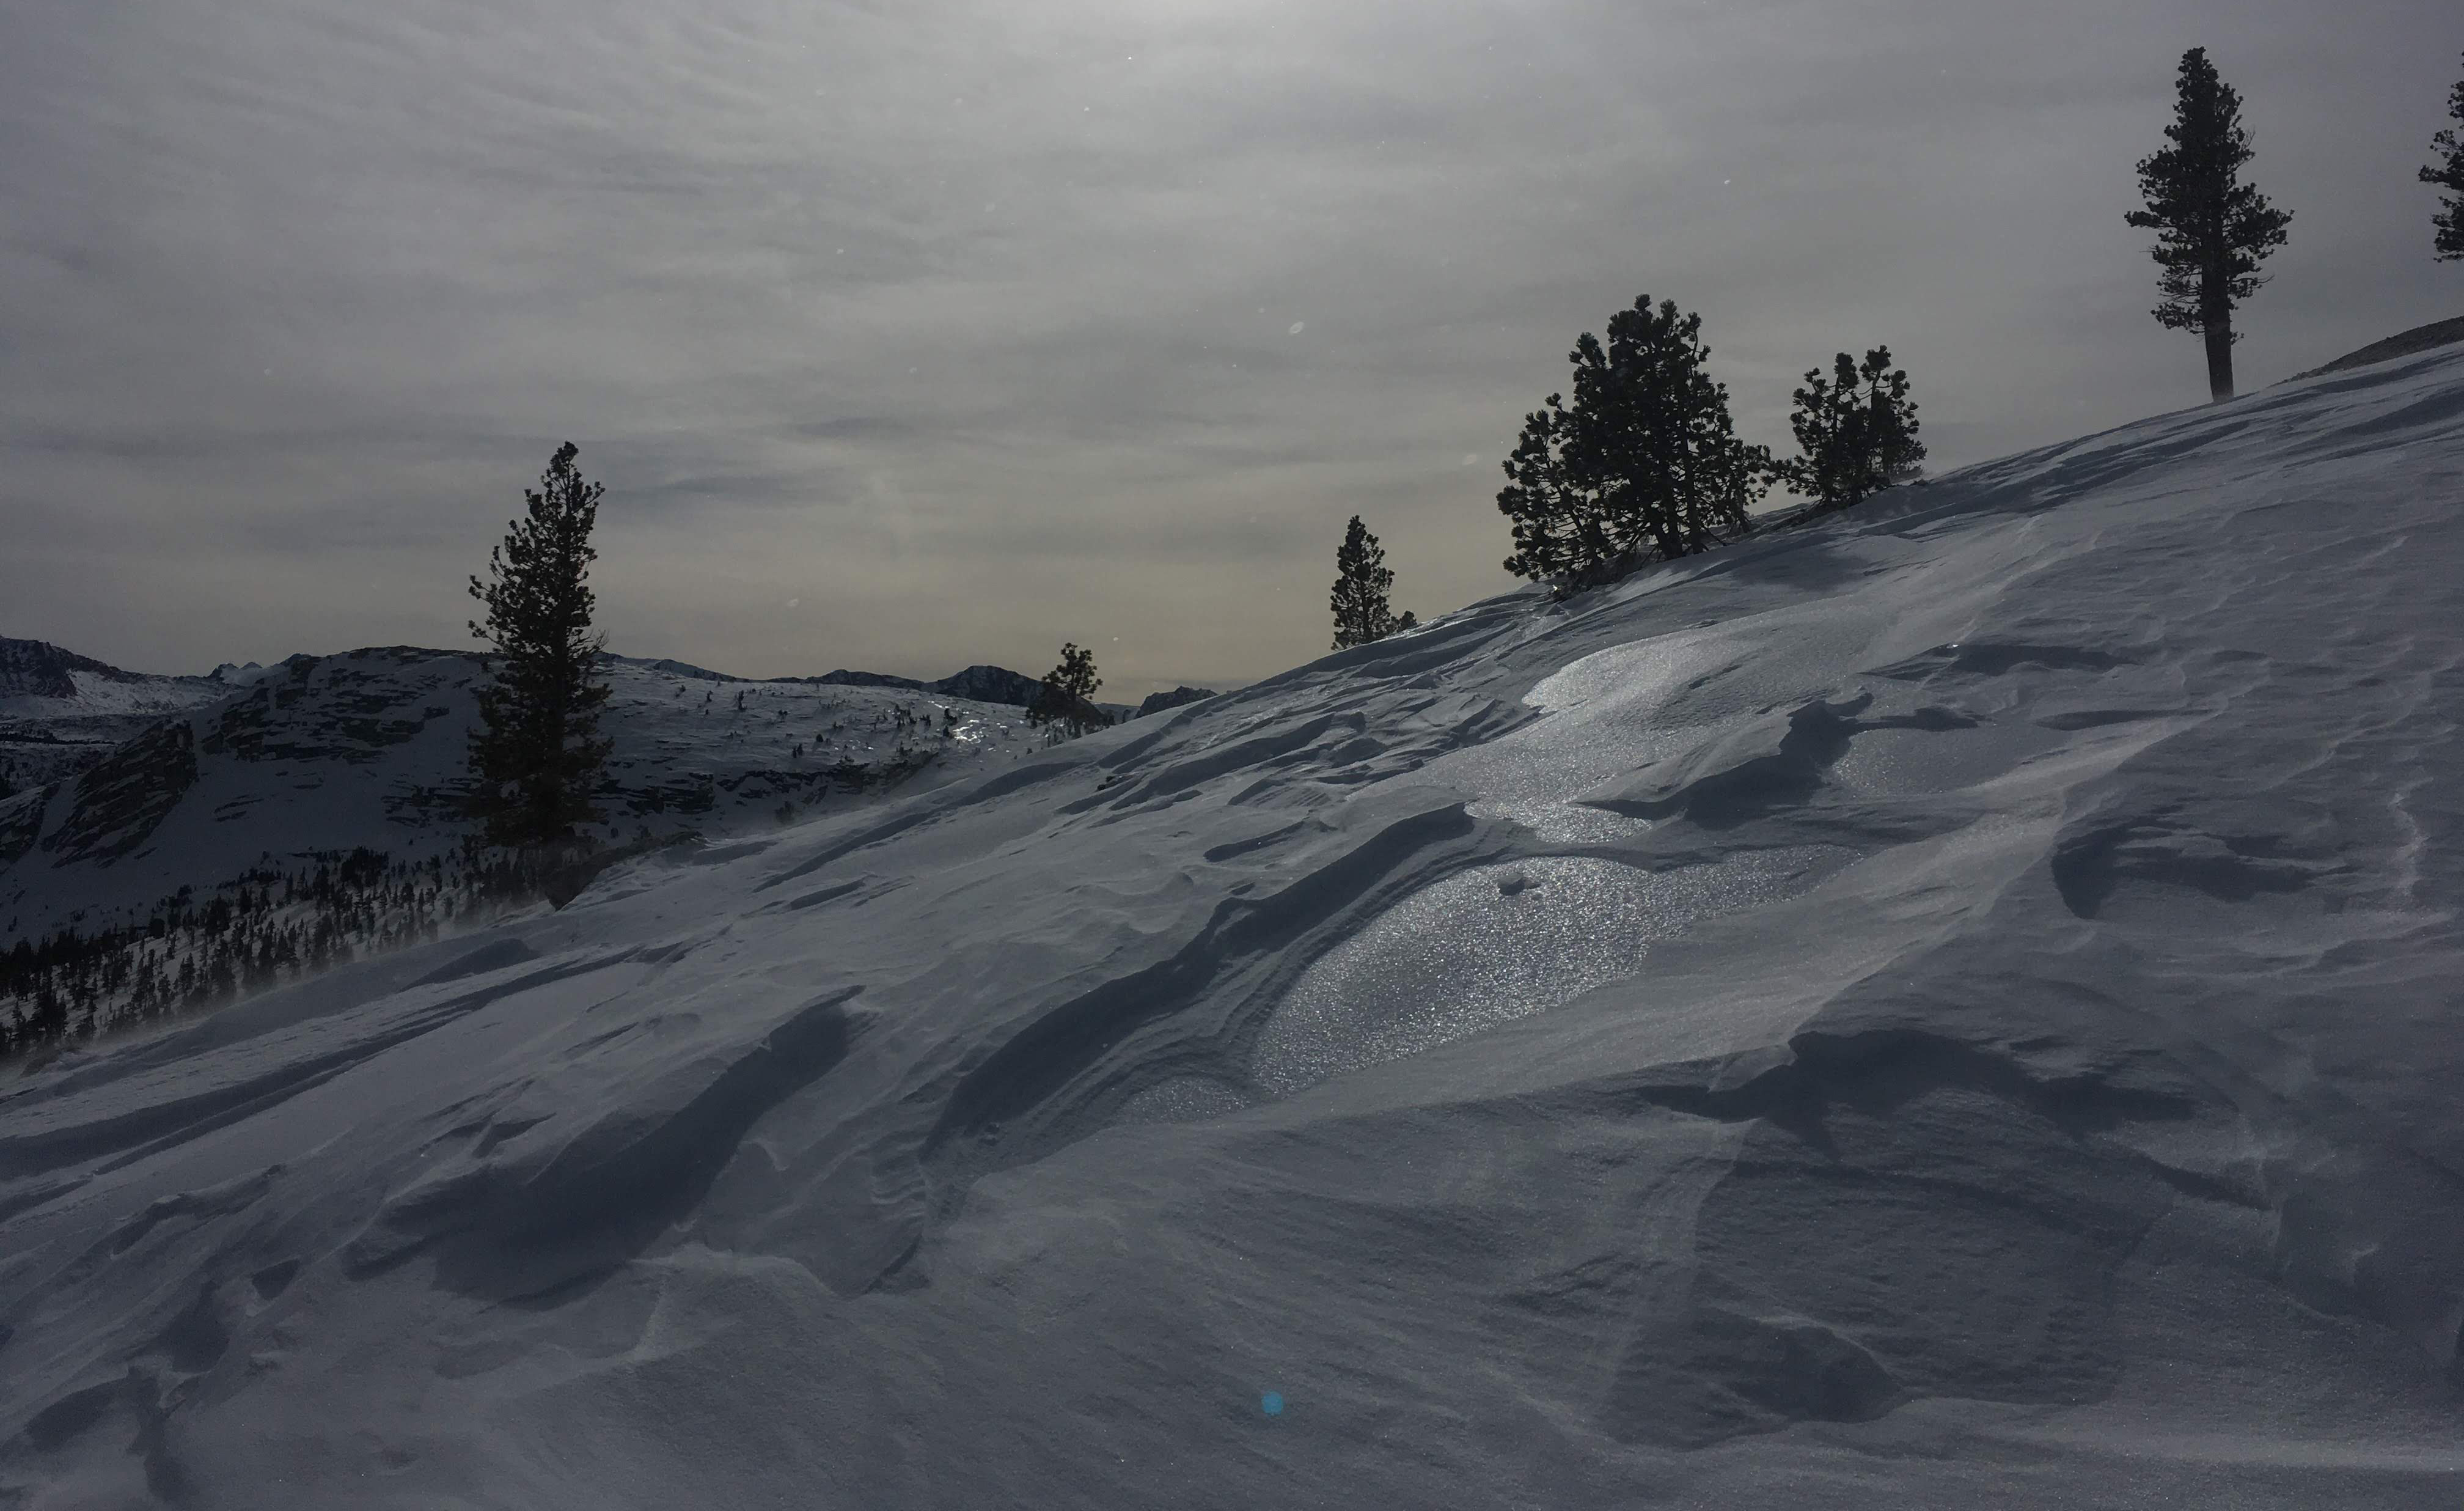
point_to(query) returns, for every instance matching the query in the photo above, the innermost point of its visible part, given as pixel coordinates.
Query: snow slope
(2403, 343)
(1952, 1007)
(369, 748)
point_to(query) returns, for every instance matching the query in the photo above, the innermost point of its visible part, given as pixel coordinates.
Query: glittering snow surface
(1952, 1006)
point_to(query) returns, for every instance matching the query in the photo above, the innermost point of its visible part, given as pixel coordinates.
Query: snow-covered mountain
(1178, 698)
(328, 754)
(1950, 1007)
(61, 713)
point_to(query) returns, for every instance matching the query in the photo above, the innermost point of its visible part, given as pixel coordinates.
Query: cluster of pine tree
(1644, 463)
(271, 926)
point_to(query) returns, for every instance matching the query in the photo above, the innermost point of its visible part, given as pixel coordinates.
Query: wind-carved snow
(1603, 711)
(1953, 1006)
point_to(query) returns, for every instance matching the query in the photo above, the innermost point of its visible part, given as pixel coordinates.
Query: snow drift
(1954, 1006)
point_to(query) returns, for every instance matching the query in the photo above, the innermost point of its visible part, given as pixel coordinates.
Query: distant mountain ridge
(118, 788)
(37, 669)
(40, 669)
(980, 683)
(367, 749)
(62, 713)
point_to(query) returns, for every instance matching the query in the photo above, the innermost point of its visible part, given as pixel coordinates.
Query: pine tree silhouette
(1361, 583)
(536, 748)
(2449, 175)
(2212, 230)
(1856, 431)
(1644, 463)
(1066, 701)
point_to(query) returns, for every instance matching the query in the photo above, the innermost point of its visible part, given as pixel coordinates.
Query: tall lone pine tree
(1644, 463)
(536, 750)
(1361, 583)
(2449, 175)
(1067, 697)
(2212, 229)
(1857, 431)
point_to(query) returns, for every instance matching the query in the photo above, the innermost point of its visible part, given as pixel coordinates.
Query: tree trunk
(2220, 373)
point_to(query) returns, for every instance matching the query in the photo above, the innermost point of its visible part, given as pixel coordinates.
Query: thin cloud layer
(909, 335)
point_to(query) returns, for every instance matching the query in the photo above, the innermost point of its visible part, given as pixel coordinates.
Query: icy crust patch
(1182, 1098)
(1494, 944)
(1635, 676)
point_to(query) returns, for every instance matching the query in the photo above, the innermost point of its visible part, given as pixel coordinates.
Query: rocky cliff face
(117, 805)
(35, 668)
(61, 713)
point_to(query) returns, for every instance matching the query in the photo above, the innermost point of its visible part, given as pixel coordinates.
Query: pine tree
(536, 748)
(1644, 463)
(2449, 175)
(2212, 230)
(1856, 431)
(1361, 583)
(1066, 701)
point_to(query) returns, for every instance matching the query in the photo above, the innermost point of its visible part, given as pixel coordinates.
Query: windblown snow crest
(1952, 1007)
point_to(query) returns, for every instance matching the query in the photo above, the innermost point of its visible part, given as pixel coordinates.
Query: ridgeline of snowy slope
(322, 754)
(1952, 1006)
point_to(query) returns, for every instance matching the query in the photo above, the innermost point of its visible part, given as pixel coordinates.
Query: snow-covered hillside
(326, 754)
(1952, 1006)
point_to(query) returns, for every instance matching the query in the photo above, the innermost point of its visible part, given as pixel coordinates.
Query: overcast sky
(911, 333)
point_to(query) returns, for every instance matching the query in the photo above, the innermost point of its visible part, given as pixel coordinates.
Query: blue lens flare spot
(1271, 1403)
